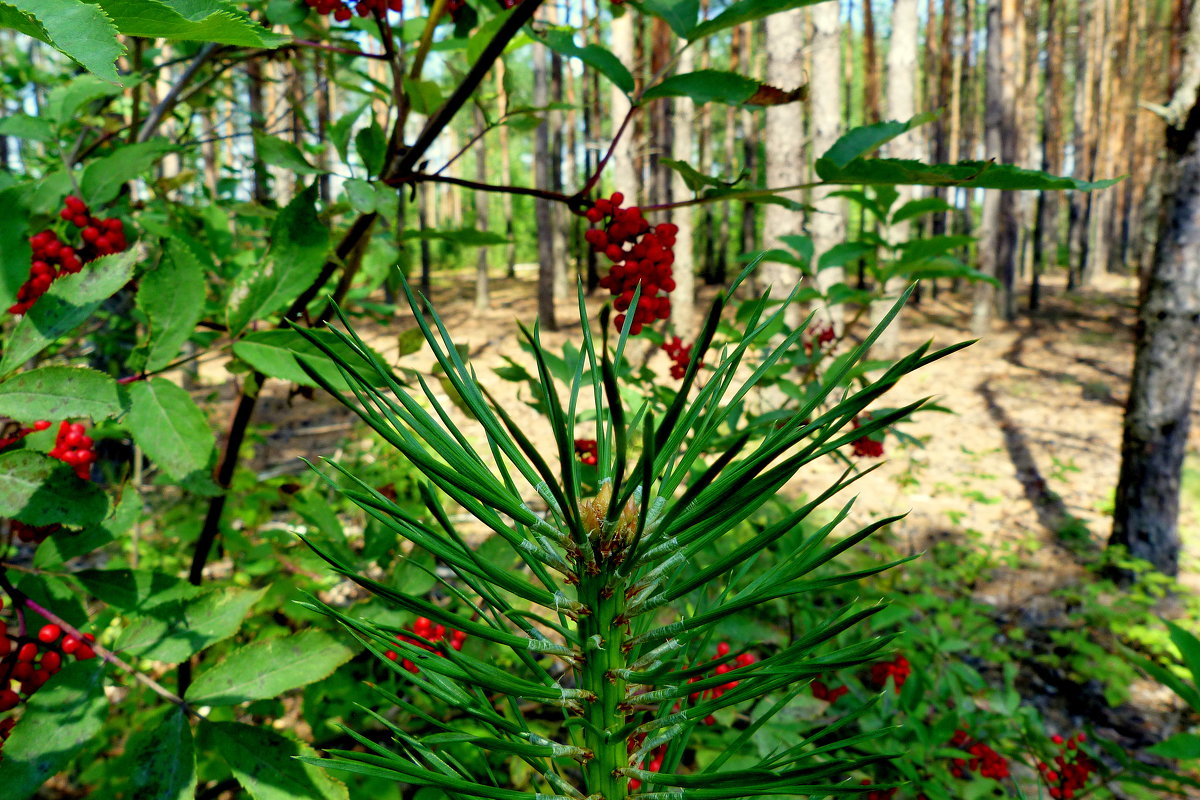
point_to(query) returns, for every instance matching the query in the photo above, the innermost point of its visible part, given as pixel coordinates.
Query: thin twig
(172, 96)
(334, 48)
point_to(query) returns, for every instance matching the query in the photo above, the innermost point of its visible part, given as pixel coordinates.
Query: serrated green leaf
(70, 300)
(39, 490)
(171, 429)
(59, 392)
(680, 15)
(371, 144)
(172, 298)
(63, 102)
(264, 763)
(299, 241)
(706, 86)
(745, 11)
(135, 590)
(274, 353)
(269, 668)
(103, 177)
(23, 126)
(190, 20)
(163, 759)
(284, 154)
(176, 630)
(67, 544)
(57, 722)
(922, 205)
(865, 139)
(562, 40)
(77, 29)
(971, 174)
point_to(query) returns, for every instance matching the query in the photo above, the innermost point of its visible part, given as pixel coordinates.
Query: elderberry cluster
(878, 794)
(53, 258)
(898, 670)
(73, 446)
(865, 446)
(430, 635)
(585, 449)
(818, 338)
(641, 255)
(821, 691)
(342, 10)
(653, 765)
(984, 760)
(742, 660)
(1072, 768)
(28, 663)
(680, 354)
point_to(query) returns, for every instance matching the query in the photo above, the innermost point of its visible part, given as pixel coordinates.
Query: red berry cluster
(585, 449)
(865, 446)
(680, 354)
(20, 433)
(984, 760)
(821, 691)
(743, 660)
(656, 758)
(31, 661)
(430, 634)
(641, 254)
(1072, 768)
(75, 447)
(898, 670)
(52, 258)
(342, 10)
(878, 794)
(818, 337)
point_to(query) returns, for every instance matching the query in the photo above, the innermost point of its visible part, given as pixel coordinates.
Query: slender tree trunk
(721, 263)
(683, 299)
(828, 225)
(1045, 240)
(254, 95)
(1083, 122)
(482, 299)
(998, 235)
(785, 153)
(625, 177)
(547, 266)
(1167, 354)
(506, 174)
(871, 65)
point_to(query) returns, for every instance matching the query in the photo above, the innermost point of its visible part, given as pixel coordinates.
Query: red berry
(49, 633)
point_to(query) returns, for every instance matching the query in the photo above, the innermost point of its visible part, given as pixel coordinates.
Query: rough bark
(547, 266)
(828, 225)
(1045, 241)
(870, 65)
(482, 299)
(784, 148)
(506, 176)
(683, 299)
(621, 166)
(1166, 361)
(998, 234)
(1083, 121)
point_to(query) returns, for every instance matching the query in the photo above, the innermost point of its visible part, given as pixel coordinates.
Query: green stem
(598, 675)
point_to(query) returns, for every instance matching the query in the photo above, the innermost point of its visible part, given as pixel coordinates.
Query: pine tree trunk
(1166, 358)
(544, 214)
(683, 299)
(828, 225)
(621, 165)
(1083, 121)
(784, 149)
(871, 65)
(1045, 240)
(506, 176)
(482, 299)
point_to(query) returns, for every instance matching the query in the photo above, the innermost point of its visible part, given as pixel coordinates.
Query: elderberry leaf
(57, 722)
(680, 15)
(970, 174)
(706, 86)
(171, 429)
(102, 178)
(562, 40)
(265, 764)
(70, 300)
(274, 353)
(269, 668)
(23, 126)
(39, 490)
(744, 11)
(134, 590)
(172, 298)
(162, 759)
(173, 631)
(282, 153)
(215, 21)
(67, 544)
(15, 251)
(59, 392)
(77, 29)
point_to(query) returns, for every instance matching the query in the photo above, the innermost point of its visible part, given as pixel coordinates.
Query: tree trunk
(871, 65)
(784, 147)
(901, 99)
(1166, 358)
(683, 299)
(547, 267)
(828, 225)
(506, 175)
(1083, 121)
(621, 165)
(998, 234)
(1045, 240)
(481, 217)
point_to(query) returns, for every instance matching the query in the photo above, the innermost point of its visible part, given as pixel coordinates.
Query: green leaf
(1189, 648)
(103, 177)
(922, 205)
(214, 21)
(744, 11)
(706, 86)
(299, 241)
(680, 15)
(63, 102)
(1181, 745)
(695, 179)
(70, 300)
(15, 252)
(339, 131)
(23, 126)
(425, 95)
(971, 174)
(67, 544)
(169, 426)
(163, 759)
(58, 392)
(269, 668)
(371, 144)
(77, 29)
(172, 298)
(135, 590)
(282, 153)
(362, 195)
(562, 40)
(39, 490)
(865, 139)
(274, 353)
(57, 722)
(264, 763)
(176, 630)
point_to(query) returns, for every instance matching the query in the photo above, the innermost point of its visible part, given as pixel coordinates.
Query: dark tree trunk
(1167, 355)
